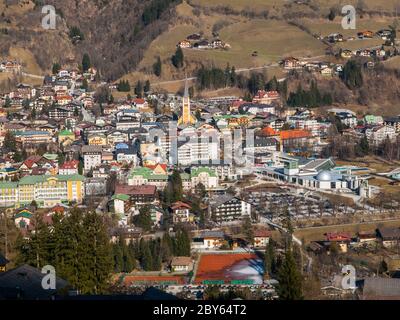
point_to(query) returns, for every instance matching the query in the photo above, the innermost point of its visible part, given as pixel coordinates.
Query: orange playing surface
(218, 266)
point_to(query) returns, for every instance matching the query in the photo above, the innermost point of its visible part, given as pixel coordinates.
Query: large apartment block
(47, 191)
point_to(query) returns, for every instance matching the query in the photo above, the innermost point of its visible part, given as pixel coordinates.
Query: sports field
(230, 267)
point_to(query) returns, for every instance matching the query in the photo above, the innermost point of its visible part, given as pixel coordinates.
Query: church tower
(186, 118)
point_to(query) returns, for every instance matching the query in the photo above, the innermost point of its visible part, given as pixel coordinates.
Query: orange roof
(295, 134)
(268, 131)
(286, 134)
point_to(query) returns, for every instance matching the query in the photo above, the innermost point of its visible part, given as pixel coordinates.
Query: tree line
(155, 9)
(217, 78)
(149, 255)
(76, 245)
(309, 98)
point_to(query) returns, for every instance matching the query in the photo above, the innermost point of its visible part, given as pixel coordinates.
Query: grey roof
(127, 151)
(390, 233)
(91, 148)
(263, 142)
(218, 200)
(381, 288)
(315, 164)
(26, 282)
(211, 234)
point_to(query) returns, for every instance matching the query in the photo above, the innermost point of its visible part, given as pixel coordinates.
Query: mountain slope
(116, 33)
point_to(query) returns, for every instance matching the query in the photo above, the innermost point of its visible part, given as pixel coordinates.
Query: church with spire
(186, 117)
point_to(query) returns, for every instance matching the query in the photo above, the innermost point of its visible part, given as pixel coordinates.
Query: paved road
(32, 75)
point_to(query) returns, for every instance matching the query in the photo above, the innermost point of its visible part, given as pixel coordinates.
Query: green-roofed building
(51, 156)
(145, 176)
(205, 176)
(46, 190)
(121, 203)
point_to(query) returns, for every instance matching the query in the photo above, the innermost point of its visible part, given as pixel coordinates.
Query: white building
(92, 156)
(197, 150)
(305, 124)
(379, 134)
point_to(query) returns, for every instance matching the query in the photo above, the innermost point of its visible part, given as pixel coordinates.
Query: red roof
(73, 164)
(58, 209)
(179, 205)
(262, 233)
(266, 94)
(152, 167)
(31, 161)
(338, 236)
(139, 101)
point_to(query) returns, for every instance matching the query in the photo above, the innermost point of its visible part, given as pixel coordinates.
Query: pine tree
(128, 261)
(9, 143)
(86, 62)
(352, 75)
(289, 277)
(117, 257)
(290, 282)
(157, 67)
(147, 259)
(269, 258)
(56, 68)
(177, 58)
(143, 219)
(247, 229)
(139, 89)
(147, 86)
(176, 186)
(97, 253)
(166, 247)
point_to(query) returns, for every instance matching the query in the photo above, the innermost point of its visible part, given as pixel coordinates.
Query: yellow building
(65, 137)
(97, 140)
(46, 190)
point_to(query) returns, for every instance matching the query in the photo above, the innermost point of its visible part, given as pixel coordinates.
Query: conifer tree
(289, 277)
(86, 62)
(177, 58)
(269, 258)
(157, 67)
(176, 186)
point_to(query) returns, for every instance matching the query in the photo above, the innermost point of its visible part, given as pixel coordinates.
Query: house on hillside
(180, 212)
(390, 237)
(208, 240)
(291, 63)
(184, 44)
(181, 264)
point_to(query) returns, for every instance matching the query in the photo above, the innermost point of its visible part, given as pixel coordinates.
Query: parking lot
(274, 206)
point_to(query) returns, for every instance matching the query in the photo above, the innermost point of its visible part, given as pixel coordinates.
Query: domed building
(324, 175)
(318, 174)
